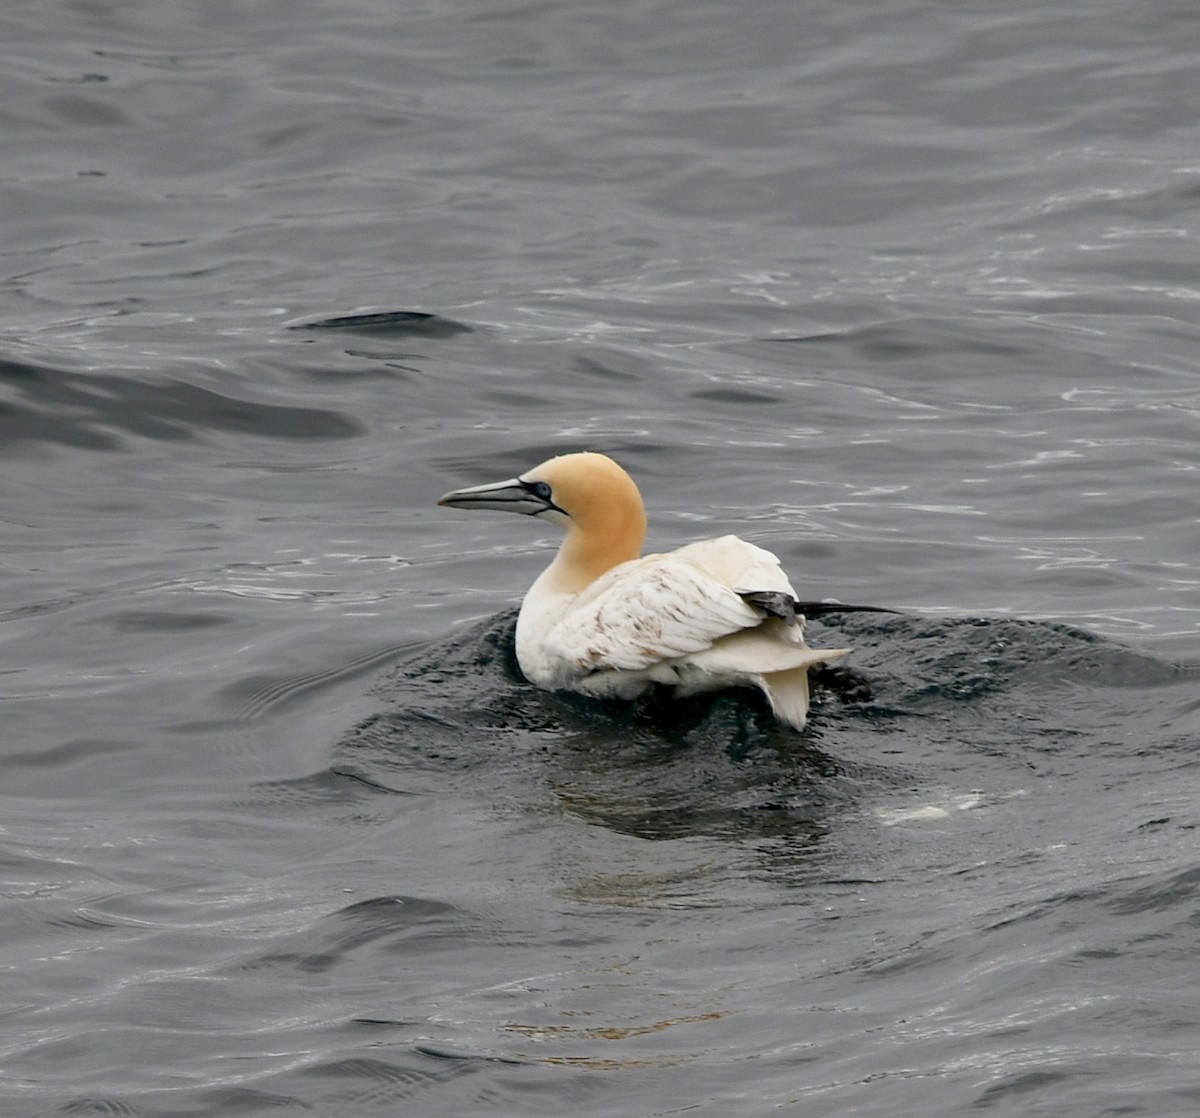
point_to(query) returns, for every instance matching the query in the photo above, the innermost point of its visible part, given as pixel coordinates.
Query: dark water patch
(86, 112)
(84, 918)
(1162, 906)
(360, 1084)
(376, 1079)
(328, 787)
(252, 697)
(78, 754)
(379, 346)
(383, 362)
(384, 1025)
(100, 411)
(396, 364)
(609, 368)
(1177, 890)
(232, 1101)
(391, 324)
(99, 1106)
(161, 621)
(1014, 1087)
(440, 1052)
(1045, 654)
(968, 659)
(969, 346)
(738, 396)
(452, 705)
(371, 934)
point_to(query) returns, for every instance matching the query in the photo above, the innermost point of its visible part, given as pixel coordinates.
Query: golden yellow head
(589, 488)
(604, 514)
(588, 494)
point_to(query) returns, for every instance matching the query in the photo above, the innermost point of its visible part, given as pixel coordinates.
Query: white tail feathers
(787, 691)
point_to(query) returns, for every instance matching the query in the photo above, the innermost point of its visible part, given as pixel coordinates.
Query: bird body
(604, 620)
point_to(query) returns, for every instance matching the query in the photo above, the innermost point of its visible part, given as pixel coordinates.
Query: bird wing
(738, 564)
(664, 606)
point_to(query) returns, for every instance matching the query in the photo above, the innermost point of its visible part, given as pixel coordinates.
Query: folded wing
(683, 604)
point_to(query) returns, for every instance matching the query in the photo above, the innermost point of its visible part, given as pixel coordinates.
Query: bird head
(588, 494)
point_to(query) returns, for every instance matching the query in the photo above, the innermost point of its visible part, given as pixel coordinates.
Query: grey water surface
(906, 292)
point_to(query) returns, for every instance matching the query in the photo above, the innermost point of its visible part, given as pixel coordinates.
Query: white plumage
(600, 620)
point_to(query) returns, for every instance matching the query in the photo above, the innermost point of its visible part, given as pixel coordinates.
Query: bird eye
(540, 490)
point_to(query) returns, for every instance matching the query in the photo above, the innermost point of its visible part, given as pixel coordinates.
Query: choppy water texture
(905, 292)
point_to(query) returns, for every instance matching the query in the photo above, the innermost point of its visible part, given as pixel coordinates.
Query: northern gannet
(603, 620)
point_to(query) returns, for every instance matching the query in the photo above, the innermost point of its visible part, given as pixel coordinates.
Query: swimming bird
(604, 620)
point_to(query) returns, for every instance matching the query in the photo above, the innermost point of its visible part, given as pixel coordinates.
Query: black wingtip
(775, 603)
(820, 609)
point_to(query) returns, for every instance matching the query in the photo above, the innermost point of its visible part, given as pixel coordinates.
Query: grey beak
(501, 496)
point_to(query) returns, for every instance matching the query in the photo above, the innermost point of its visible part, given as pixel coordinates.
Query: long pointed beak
(500, 496)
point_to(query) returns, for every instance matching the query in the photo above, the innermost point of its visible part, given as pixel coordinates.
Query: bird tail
(787, 691)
